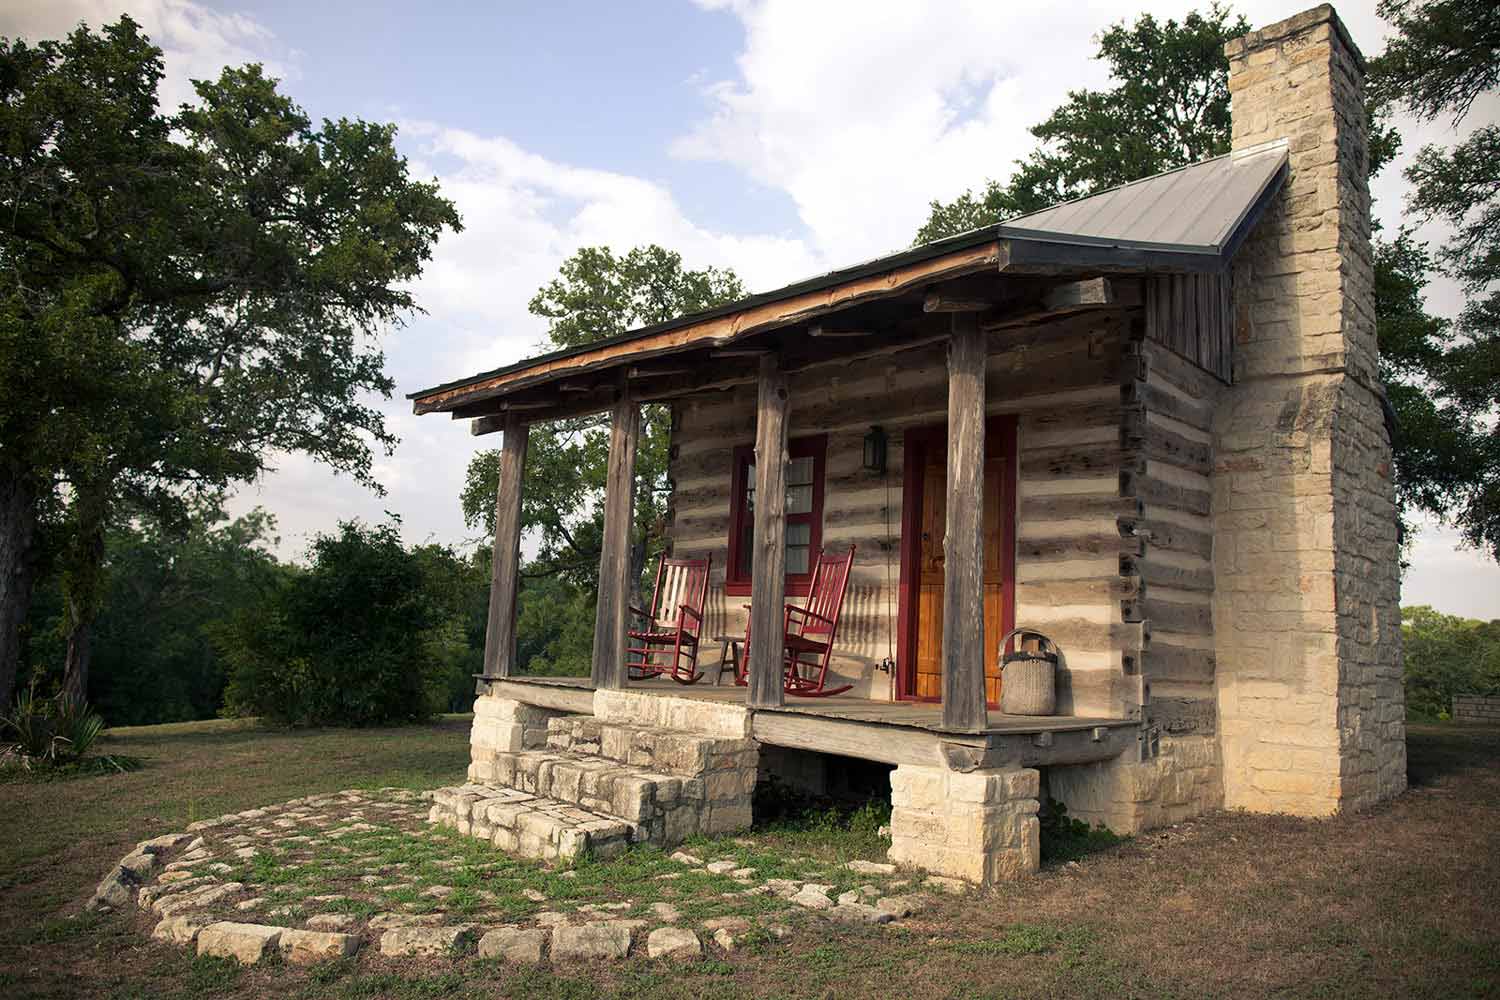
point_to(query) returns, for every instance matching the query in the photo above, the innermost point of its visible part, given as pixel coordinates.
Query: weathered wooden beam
(742, 352)
(963, 542)
(1066, 299)
(768, 541)
(610, 616)
(938, 302)
(500, 630)
(823, 331)
(638, 372)
(566, 409)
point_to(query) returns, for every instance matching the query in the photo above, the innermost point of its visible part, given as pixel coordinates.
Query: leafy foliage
(1442, 57)
(1169, 107)
(1446, 53)
(1445, 656)
(353, 640)
(163, 595)
(184, 292)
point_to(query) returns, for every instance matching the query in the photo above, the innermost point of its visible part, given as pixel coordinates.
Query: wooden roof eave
(718, 330)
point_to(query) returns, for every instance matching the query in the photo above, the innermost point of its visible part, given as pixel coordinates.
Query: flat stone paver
(417, 940)
(673, 942)
(587, 942)
(305, 947)
(520, 945)
(246, 943)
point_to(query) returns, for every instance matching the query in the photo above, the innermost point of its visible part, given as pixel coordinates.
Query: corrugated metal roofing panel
(1197, 207)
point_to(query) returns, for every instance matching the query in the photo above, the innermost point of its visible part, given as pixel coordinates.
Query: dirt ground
(1398, 901)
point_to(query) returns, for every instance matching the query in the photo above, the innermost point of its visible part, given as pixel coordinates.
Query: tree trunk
(18, 517)
(81, 587)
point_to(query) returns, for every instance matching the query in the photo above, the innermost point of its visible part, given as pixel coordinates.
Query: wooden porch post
(768, 569)
(609, 670)
(500, 633)
(963, 545)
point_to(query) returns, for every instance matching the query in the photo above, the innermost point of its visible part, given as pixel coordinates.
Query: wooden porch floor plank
(921, 715)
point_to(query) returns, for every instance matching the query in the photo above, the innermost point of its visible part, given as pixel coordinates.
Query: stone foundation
(1182, 781)
(979, 826)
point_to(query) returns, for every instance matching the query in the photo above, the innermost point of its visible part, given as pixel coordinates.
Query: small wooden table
(729, 656)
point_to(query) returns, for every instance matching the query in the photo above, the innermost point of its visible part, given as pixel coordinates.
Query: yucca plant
(55, 731)
(29, 727)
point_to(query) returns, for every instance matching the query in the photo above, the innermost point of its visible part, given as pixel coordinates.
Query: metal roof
(1191, 218)
(1200, 207)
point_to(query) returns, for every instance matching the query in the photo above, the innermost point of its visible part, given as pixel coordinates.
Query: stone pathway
(327, 876)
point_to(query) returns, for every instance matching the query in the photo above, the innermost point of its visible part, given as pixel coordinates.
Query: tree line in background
(208, 622)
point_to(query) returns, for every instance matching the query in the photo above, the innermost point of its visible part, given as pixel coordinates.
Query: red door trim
(915, 445)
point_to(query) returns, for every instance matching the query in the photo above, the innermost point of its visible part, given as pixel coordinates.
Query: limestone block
(305, 947)
(181, 929)
(522, 946)
(417, 940)
(588, 942)
(673, 942)
(245, 943)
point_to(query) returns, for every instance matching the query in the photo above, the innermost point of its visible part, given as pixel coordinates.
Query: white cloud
(196, 42)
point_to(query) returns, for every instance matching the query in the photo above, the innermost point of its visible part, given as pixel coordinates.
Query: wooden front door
(925, 512)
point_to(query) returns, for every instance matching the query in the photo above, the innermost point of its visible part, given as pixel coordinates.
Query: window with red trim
(804, 515)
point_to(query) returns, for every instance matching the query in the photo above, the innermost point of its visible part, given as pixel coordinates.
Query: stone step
(665, 809)
(657, 749)
(532, 826)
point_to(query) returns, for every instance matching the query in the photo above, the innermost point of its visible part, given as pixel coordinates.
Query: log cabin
(1147, 424)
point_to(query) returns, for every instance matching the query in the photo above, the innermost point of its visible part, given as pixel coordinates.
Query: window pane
(796, 559)
(746, 552)
(799, 472)
(799, 499)
(799, 534)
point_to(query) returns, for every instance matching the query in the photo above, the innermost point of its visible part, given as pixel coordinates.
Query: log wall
(1168, 439)
(1063, 380)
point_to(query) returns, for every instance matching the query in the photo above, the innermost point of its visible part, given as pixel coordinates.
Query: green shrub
(350, 641)
(1065, 838)
(1446, 655)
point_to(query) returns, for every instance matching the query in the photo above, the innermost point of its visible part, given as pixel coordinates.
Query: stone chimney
(1306, 556)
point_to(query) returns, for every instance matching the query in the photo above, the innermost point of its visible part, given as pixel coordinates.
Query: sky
(782, 139)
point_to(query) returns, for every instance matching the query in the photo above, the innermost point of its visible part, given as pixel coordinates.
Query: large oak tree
(183, 292)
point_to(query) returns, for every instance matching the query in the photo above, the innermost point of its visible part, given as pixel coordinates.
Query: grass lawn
(1395, 902)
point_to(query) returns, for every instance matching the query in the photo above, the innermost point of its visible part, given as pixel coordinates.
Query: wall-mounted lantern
(875, 450)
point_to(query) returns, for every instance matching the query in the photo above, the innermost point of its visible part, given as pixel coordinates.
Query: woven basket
(1028, 680)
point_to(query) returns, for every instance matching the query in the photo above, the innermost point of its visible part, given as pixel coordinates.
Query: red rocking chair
(666, 641)
(810, 630)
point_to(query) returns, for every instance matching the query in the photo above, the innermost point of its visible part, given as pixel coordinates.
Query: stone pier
(980, 826)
